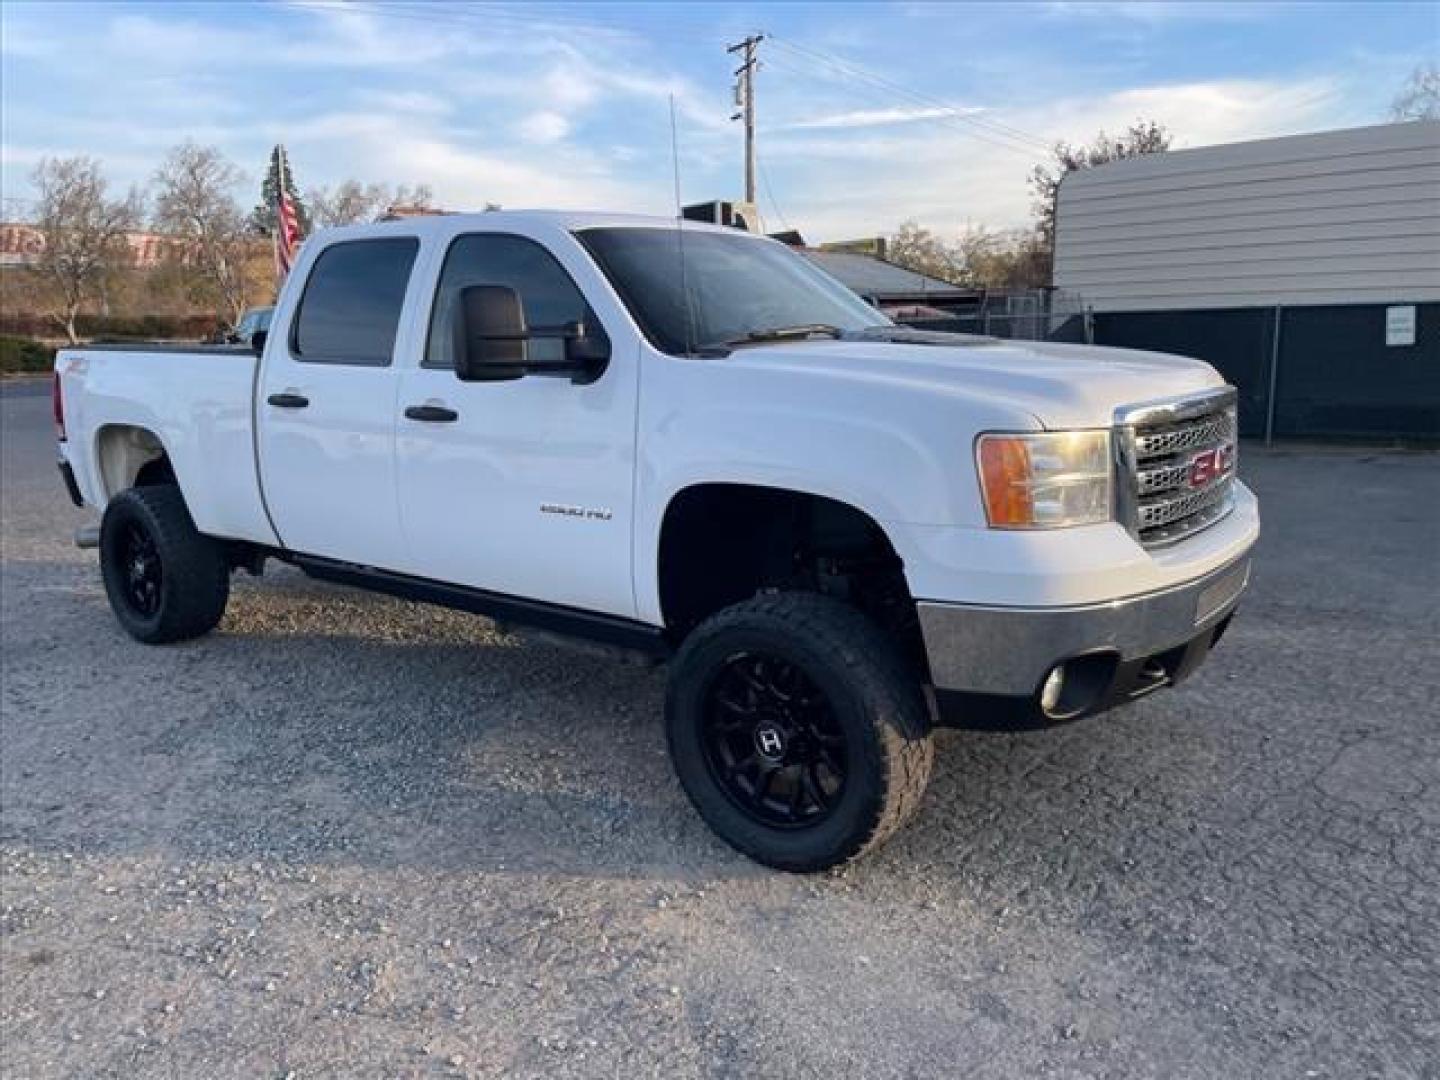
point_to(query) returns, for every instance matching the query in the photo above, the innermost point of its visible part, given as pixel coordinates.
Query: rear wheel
(797, 730)
(166, 582)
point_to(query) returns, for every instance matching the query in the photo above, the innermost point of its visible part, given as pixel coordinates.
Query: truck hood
(1058, 385)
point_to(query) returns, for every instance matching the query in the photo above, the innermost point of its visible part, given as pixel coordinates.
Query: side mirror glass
(586, 354)
(489, 337)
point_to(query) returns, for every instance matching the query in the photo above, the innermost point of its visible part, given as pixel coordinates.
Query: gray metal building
(1306, 268)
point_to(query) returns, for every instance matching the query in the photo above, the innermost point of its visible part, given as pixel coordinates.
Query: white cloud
(543, 128)
(877, 118)
(1156, 12)
(490, 108)
(406, 101)
(866, 183)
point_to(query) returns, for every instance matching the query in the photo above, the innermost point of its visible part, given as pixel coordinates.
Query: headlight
(1046, 480)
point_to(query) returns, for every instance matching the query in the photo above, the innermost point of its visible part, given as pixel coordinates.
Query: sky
(868, 114)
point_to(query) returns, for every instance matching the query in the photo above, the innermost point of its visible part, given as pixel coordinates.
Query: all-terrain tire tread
(197, 573)
(897, 710)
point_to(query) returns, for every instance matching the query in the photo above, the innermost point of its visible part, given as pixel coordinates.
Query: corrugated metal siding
(1334, 218)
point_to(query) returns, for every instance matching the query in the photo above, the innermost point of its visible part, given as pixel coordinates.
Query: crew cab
(687, 442)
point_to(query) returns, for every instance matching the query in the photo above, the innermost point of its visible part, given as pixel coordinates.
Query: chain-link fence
(1019, 314)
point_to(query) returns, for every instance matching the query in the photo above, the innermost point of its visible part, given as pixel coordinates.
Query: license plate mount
(1221, 592)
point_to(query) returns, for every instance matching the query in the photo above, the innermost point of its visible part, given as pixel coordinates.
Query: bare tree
(917, 248)
(84, 233)
(195, 202)
(352, 203)
(1009, 258)
(1419, 98)
(1142, 137)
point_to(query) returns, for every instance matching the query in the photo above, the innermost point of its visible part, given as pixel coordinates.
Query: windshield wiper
(784, 333)
(779, 333)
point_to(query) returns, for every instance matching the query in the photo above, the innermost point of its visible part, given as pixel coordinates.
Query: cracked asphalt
(349, 836)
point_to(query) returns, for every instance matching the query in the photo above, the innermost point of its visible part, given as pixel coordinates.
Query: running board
(508, 611)
(87, 536)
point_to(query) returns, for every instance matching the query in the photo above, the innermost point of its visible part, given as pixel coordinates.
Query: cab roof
(520, 220)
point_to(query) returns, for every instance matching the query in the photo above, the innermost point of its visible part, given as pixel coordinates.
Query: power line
(1013, 137)
(479, 16)
(770, 194)
(855, 70)
(937, 114)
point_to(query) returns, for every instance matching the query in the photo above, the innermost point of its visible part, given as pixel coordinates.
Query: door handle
(434, 414)
(288, 401)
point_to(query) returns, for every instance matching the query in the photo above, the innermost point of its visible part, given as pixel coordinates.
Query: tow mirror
(489, 334)
(492, 342)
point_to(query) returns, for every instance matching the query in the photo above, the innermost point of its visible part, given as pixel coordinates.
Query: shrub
(21, 354)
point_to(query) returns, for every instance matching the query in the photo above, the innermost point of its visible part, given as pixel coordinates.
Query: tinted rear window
(351, 308)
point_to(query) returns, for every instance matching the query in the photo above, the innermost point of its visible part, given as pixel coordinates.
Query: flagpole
(280, 166)
(280, 244)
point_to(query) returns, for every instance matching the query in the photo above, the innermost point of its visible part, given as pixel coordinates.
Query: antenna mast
(690, 343)
(745, 101)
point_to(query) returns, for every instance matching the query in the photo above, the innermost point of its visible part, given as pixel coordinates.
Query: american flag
(287, 225)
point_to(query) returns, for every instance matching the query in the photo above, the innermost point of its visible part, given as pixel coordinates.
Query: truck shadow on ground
(323, 723)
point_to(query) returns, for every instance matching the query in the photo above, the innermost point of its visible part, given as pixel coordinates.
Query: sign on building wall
(1400, 325)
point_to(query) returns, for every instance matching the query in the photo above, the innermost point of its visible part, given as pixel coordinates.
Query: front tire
(798, 730)
(165, 580)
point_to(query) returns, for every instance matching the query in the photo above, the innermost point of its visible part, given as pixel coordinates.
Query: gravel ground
(347, 836)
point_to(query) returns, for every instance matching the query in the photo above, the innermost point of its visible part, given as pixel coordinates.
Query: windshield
(741, 287)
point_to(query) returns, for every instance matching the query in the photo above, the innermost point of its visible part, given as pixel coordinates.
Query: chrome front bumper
(1141, 641)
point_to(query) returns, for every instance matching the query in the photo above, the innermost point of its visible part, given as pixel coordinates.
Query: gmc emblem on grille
(1211, 465)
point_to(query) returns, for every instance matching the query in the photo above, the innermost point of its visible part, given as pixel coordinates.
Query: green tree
(262, 218)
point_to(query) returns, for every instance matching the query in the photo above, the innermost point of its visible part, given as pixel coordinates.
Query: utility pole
(745, 101)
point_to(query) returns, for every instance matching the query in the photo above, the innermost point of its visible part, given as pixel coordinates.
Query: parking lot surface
(349, 836)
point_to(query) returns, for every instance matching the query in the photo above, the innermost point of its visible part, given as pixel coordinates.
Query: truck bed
(198, 400)
(170, 347)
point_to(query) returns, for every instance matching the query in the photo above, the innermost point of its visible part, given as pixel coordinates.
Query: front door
(326, 409)
(520, 487)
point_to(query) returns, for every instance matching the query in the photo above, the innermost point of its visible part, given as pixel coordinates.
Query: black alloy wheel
(165, 579)
(798, 730)
(143, 573)
(773, 742)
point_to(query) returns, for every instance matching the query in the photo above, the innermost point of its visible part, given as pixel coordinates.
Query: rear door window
(350, 310)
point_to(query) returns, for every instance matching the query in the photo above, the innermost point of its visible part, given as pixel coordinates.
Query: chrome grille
(1193, 436)
(1176, 462)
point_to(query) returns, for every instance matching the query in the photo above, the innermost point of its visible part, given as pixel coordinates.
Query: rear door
(522, 487)
(326, 405)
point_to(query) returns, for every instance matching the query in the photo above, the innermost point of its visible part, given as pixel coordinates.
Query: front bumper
(1112, 652)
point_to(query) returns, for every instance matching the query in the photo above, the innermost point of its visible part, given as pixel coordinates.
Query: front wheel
(797, 730)
(166, 581)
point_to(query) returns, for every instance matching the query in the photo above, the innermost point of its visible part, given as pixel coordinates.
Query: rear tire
(166, 582)
(798, 730)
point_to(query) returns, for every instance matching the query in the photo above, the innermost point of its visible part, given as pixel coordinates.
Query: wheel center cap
(770, 742)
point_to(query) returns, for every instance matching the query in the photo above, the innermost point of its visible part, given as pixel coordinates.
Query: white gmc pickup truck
(688, 443)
